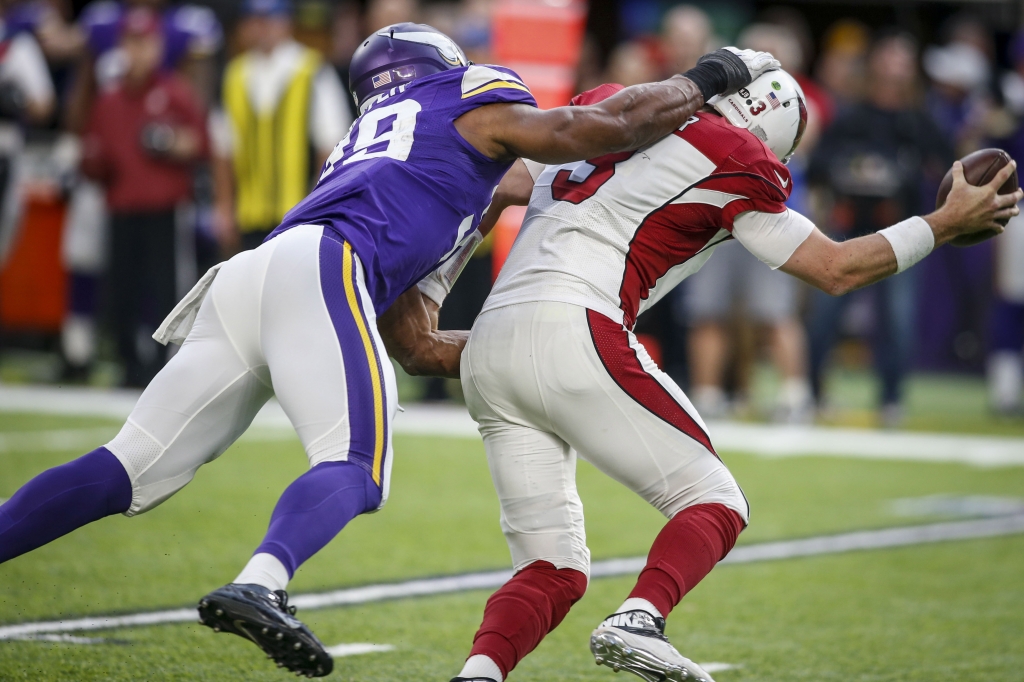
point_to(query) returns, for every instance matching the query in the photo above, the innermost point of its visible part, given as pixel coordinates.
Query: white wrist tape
(438, 284)
(911, 240)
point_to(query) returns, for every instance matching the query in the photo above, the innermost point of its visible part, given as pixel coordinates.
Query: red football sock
(685, 551)
(524, 610)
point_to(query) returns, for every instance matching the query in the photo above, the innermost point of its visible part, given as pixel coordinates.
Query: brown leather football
(979, 168)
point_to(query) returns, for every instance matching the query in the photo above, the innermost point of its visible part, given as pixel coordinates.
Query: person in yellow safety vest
(283, 111)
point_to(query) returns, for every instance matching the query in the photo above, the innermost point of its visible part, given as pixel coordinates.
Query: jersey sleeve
(772, 237)
(763, 185)
(482, 85)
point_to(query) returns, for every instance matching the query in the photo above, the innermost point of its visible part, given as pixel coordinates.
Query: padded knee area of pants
(546, 527)
(720, 487)
(153, 479)
(136, 449)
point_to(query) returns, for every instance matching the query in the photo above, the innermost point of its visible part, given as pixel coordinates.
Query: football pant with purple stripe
(292, 319)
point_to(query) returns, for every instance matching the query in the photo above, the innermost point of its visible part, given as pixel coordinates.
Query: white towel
(178, 324)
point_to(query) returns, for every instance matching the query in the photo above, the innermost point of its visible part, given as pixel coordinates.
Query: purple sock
(61, 499)
(315, 508)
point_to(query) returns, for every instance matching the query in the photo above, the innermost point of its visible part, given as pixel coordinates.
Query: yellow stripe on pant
(352, 296)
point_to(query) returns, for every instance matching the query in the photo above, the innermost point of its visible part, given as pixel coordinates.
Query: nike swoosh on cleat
(784, 182)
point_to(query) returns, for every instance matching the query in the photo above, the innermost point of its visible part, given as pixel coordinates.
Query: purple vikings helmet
(398, 54)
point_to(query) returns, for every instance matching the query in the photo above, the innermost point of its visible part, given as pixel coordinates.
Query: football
(979, 168)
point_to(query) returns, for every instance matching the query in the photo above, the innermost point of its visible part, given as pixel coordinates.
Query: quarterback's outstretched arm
(410, 334)
(630, 119)
(840, 267)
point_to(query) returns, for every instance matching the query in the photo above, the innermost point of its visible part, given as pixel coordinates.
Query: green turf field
(953, 611)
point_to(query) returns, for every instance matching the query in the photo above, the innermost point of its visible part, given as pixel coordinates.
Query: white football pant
(547, 380)
(291, 318)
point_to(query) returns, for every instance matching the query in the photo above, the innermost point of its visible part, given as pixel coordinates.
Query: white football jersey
(616, 233)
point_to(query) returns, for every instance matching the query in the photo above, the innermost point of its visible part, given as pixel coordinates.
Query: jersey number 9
(385, 131)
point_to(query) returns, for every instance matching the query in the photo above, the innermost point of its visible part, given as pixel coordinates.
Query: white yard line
(54, 439)
(790, 441)
(72, 639)
(488, 580)
(68, 400)
(358, 648)
(767, 440)
(718, 667)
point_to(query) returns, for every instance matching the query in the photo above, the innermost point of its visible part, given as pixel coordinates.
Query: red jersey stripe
(622, 363)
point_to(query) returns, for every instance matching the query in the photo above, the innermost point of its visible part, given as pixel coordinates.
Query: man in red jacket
(143, 138)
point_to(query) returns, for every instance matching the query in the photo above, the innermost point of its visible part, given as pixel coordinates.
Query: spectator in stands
(191, 35)
(871, 163)
(840, 68)
(381, 13)
(686, 34)
(346, 34)
(26, 98)
(767, 297)
(142, 140)
(632, 63)
(958, 99)
(1005, 364)
(90, 59)
(284, 110)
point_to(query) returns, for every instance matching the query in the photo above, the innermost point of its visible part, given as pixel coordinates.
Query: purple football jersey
(403, 187)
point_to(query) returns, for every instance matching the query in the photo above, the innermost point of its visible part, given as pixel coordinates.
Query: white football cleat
(635, 641)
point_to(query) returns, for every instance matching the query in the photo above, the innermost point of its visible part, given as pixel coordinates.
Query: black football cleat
(473, 679)
(256, 613)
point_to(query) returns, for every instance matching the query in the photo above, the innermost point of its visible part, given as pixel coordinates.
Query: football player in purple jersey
(398, 204)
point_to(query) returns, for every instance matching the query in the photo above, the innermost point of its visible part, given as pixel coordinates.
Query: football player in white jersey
(552, 369)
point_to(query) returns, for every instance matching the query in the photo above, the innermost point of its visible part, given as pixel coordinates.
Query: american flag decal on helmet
(773, 100)
(381, 79)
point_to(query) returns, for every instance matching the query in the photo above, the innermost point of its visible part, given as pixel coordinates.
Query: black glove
(728, 69)
(157, 139)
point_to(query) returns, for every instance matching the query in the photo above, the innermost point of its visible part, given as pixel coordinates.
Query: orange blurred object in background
(537, 31)
(552, 85)
(33, 283)
(541, 40)
(505, 232)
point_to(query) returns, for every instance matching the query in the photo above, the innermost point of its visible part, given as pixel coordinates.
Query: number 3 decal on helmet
(777, 103)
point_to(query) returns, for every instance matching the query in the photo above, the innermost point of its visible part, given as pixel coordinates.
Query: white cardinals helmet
(772, 108)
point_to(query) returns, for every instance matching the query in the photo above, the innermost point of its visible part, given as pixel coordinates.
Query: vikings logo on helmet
(446, 47)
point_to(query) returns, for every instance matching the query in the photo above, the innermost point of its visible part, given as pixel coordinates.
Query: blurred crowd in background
(142, 142)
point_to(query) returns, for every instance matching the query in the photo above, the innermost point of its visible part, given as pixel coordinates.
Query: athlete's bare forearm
(632, 118)
(840, 267)
(410, 334)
